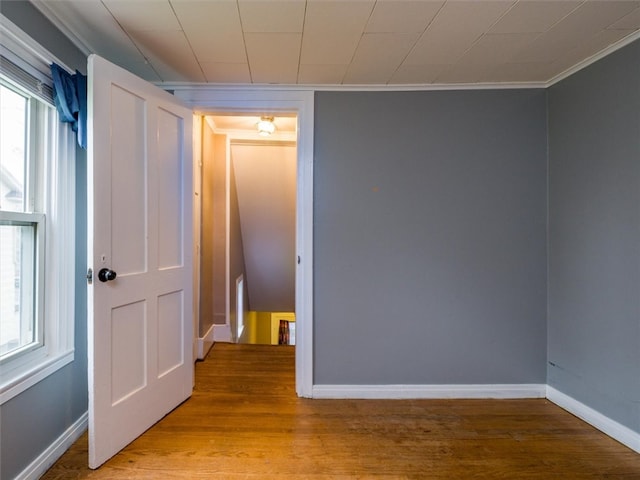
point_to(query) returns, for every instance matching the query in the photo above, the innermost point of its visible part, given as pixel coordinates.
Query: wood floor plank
(244, 421)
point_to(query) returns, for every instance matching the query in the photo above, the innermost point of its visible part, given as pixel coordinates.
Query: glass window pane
(17, 287)
(13, 159)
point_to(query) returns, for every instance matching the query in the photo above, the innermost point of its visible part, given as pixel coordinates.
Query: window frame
(53, 211)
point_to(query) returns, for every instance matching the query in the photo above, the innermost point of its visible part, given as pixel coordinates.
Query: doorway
(248, 232)
(206, 100)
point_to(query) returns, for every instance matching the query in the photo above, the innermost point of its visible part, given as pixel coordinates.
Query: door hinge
(90, 276)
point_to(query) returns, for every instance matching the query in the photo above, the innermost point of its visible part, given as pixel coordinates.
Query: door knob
(106, 275)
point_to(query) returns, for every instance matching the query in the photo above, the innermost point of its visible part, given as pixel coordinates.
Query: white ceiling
(346, 42)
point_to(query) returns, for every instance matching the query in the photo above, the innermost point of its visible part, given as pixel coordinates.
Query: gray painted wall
(430, 237)
(594, 236)
(30, 422)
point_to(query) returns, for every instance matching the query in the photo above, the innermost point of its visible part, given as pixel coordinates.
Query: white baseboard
(533, 390)
(222, 333)
(240, 333)
(40, 465)
(205, 343)
(615, 430)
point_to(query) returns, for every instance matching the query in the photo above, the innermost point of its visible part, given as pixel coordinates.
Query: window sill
(33, 374)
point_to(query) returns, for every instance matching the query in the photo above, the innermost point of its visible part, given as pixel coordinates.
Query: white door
(140, 325)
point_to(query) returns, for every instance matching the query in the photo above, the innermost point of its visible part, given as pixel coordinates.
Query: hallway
(245, 421)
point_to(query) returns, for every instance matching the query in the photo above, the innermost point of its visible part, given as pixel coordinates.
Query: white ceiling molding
(353, 88)
(585, 63)
(61, 25)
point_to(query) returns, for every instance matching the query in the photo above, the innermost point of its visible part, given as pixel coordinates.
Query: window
(37, 186)
(22, 223)
(239, 307)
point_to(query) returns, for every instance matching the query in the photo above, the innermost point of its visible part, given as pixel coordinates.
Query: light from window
(239, 307)
(13, 141)
(17, 252)
(21, 228)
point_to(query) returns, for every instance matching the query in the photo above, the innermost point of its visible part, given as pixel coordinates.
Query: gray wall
(594, 236)
(31, 421)
(430, 237)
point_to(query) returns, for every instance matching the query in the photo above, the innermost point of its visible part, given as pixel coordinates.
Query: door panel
(170, 351)
(128, 174)
(140, 220)
(128, 333)
(170, 189)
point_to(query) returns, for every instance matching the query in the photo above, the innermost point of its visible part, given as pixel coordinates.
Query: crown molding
(174, 86)
(63, 26)
(594, 58)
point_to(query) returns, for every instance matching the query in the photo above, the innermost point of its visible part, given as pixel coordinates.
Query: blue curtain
(70, 97)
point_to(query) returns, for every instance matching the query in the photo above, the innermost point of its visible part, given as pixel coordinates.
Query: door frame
(208, 99)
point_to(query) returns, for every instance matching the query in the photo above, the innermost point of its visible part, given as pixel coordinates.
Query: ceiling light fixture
(266, 126)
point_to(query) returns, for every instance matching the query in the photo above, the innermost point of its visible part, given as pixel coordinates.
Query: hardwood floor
(245, 421)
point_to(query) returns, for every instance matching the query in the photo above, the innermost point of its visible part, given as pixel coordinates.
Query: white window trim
(26, 370)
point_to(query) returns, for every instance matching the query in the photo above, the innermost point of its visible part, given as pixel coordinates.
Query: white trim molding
(610, 427)
(396, 392)
(206, 342)
(65, 27)
(34, 375)
(594, 58)
(222, 332)
(34, 54)
(405, 87)
(43, 462)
